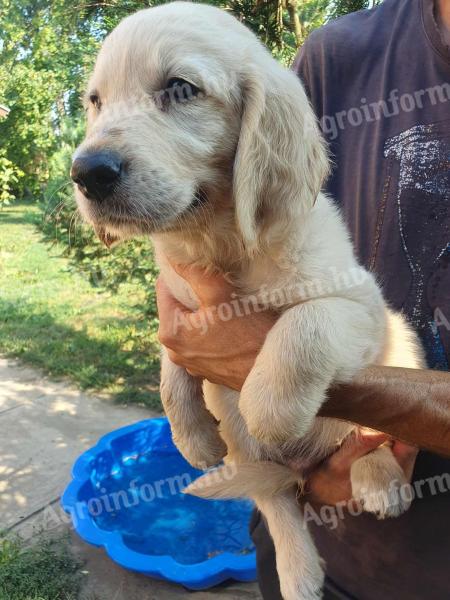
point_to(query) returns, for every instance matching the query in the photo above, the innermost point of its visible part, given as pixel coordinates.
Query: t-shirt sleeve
(301, 68)
(310, 68)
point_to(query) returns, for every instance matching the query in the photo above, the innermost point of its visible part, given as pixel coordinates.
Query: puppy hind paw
(201, 449)
(294, 587)
(385, 497)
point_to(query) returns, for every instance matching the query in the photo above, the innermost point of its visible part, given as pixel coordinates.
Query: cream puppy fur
(227, 176)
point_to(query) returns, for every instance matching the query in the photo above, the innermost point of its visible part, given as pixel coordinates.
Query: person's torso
(379, 81)
(381, 89)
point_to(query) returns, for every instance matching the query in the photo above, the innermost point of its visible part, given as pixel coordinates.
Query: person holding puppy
(379, 83)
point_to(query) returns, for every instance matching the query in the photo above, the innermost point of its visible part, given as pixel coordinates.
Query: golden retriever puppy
(199, 138)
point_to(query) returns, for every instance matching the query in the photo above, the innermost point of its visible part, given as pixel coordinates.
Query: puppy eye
(184, 89)
(94, 99)
(178, 90)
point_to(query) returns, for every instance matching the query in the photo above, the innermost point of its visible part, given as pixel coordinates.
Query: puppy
(199, 138)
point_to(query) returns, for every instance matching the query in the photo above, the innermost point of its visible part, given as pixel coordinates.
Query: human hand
(329, 484)
(223, 352)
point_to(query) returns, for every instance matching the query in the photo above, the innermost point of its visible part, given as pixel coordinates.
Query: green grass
(52, 317)
(45, 571)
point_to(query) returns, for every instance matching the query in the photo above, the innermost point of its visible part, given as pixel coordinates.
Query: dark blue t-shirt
(379, 81)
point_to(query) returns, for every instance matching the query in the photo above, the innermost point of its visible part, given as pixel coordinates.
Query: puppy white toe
(295, 588)
(379, 483)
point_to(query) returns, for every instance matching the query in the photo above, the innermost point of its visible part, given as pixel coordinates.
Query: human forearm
(408, 404)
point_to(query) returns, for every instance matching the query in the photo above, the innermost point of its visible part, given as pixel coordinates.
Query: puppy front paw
(271, 419)
(383, 503)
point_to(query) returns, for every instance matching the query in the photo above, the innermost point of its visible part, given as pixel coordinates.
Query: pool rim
(196, 576)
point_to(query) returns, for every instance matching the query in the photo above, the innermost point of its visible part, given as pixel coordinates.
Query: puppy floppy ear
(281, 162)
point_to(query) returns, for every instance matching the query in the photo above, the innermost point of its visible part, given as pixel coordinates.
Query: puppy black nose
(96, 173)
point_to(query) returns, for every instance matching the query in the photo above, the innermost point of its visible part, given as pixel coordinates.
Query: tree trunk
(295, 25)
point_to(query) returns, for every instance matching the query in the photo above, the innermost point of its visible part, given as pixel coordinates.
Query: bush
(132, 261)
(9, 178)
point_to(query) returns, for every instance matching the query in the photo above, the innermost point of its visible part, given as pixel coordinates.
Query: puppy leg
(377, 481)
(310, 346)
(298, 563)
(194, 429)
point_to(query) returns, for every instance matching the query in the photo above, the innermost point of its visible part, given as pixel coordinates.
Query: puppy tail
(245, 480)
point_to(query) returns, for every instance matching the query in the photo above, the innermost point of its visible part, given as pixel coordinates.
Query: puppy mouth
(107, 238)
(113, 223)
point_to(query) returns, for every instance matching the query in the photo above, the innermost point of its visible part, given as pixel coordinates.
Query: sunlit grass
(52, 317)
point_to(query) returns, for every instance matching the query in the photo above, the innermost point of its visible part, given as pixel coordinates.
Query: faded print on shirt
(421, 193)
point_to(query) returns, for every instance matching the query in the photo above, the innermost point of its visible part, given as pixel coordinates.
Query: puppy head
(188, 116)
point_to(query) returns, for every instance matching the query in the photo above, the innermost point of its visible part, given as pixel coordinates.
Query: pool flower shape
(126, 496)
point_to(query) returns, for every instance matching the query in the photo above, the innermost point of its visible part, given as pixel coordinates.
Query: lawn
(51, 316)
(45, 571)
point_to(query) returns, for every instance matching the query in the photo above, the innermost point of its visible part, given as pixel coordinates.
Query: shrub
(9, 178)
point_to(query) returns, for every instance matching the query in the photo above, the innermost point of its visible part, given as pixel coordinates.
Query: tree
(47, 48)
(343, 7)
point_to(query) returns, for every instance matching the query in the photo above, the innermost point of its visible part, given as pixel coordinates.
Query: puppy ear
(281, 162)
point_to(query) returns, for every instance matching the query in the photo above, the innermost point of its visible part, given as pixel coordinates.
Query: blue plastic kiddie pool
(126, 497)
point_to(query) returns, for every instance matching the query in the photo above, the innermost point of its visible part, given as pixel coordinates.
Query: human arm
(410, 405)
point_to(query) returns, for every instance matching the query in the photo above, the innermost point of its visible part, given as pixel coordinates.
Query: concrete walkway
(44, 426)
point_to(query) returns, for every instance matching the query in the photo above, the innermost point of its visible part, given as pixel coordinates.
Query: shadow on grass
(20, 214)
(33, 335)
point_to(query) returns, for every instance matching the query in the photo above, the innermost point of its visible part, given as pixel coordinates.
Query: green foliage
(47, 48)
(344, 7)
(131, 262)
(313, 14)
(9, 177)
(45, 571)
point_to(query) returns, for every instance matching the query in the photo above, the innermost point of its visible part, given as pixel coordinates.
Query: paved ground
(44, 426)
